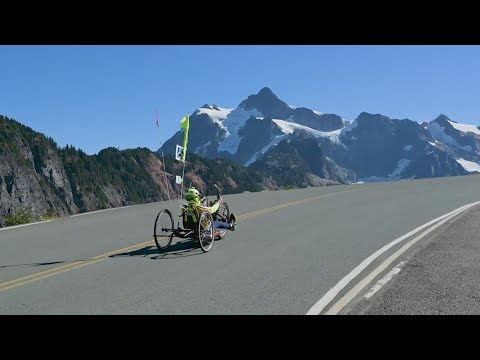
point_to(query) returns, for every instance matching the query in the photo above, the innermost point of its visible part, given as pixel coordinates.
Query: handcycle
(201, 231)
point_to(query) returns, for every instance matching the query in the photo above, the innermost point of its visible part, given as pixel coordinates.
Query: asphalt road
(441, 277)
(281, 259)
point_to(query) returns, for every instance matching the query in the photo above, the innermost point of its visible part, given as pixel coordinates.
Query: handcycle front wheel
(163, 230)
(223, 212)
(205, 231)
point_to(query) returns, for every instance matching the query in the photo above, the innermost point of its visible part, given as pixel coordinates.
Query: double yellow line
(64, 268)
(292, 203)
(80, 263)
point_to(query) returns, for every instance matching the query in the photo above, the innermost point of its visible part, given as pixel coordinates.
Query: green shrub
(49, 215)
(20, 217)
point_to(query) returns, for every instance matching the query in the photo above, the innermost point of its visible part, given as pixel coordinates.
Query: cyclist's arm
(212, 209)
(215, 206)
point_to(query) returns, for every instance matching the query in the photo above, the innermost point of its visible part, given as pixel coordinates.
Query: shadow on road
(39, 264)
(180, 249)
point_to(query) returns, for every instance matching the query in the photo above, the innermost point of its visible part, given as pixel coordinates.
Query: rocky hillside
(299, 161)
(41, 178)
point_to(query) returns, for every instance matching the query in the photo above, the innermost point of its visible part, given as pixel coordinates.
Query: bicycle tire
(205, 231)
(163, 229)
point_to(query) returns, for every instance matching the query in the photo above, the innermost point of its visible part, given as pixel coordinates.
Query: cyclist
(192, 196)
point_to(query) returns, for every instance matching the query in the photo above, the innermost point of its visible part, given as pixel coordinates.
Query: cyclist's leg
(221, 225)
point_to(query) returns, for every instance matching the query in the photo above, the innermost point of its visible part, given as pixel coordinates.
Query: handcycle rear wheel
(163, 230)
(205, 231)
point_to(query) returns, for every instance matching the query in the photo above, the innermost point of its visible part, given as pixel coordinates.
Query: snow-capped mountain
(461, 141)
(370, 148)
(244, 134)
(379, 148)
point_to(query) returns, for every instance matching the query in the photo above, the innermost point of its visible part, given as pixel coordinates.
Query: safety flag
(185, 124)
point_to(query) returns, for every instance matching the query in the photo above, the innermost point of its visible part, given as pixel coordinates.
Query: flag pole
(185, 125)
(164, 165)
(183, 175)
(166, 182)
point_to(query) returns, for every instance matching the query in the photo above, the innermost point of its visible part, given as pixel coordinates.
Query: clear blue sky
(97, 96)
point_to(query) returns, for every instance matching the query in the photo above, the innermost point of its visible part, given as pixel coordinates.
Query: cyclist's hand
(219, 199)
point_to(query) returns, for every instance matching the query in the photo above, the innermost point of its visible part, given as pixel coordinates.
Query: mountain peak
(264, 95)
(442, 118)
(266, 91)
(367, 116)
(268, 104)
(211, 107)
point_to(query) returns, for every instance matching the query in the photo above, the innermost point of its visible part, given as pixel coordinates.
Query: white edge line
(330, 295)
(114, 208)
(22, 225)
(69, 216)
(121, 207)
(76, 215)
(340, 304)
(381, 283)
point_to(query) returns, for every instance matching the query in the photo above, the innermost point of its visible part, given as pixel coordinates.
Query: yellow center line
(63, 268)
(38, 276)
(80, 263)
(296, 202)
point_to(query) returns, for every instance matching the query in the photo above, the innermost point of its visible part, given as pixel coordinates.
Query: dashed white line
(333, 292)
(381, 283)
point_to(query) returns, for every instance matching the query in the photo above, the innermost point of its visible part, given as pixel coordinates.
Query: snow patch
(465, 127)
(271, 144)
(289, 128)
(407, 147)
(235, 120)
(470, 166)
(350, 127)
(202, 148)
(402, 164)
(438, 132)
(217, 115)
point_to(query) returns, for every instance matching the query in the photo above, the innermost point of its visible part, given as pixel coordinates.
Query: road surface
(289, 250)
